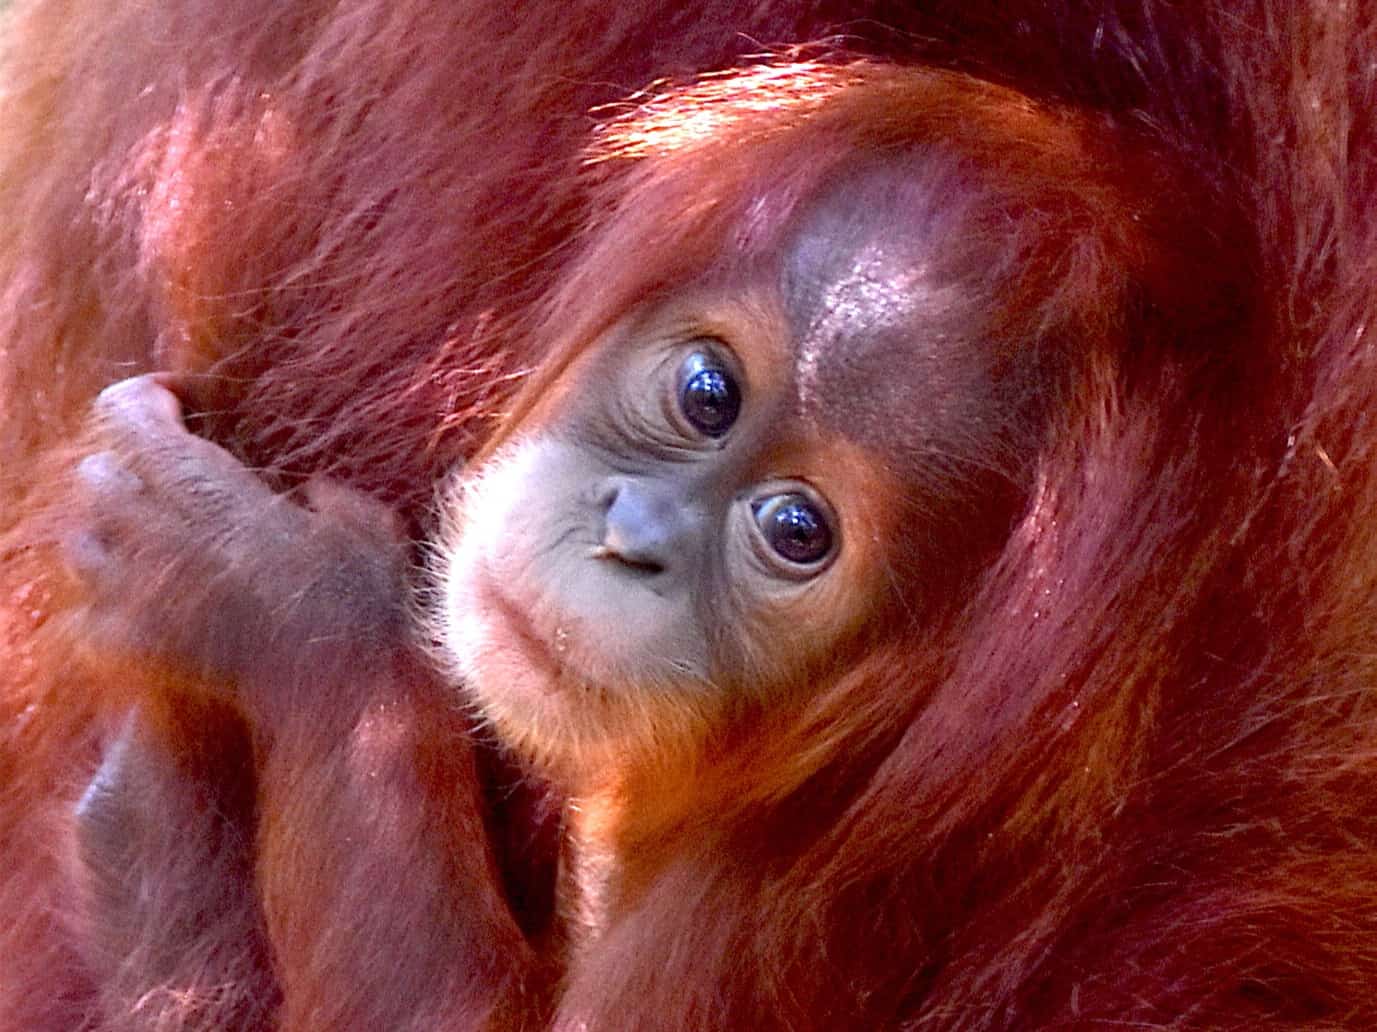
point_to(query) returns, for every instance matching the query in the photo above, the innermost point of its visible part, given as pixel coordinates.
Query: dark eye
(795, 528)
(708, 395)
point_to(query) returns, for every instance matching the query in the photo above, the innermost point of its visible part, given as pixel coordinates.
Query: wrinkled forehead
(876, 284)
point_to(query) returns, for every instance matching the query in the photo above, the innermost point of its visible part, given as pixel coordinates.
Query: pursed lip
(532, 644)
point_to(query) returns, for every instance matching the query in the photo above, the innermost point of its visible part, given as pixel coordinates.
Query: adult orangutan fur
(1123, 774)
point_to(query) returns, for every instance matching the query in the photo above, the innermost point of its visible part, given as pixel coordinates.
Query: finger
(107, 497)
(86, 555)
(201, 393)
(102, 476)
(142, 419)
(141, 405)
(107, 491)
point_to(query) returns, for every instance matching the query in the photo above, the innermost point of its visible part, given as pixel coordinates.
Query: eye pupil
(795, 529)
(710, 398)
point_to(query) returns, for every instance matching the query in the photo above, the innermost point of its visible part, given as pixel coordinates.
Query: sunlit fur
(1128, 783)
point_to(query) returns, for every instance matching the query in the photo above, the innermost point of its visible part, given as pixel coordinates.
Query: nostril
(607, 492)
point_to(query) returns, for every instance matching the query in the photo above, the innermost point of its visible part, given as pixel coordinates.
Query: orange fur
(1126, 780)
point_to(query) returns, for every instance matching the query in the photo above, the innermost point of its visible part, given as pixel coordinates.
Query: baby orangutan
(767, 464)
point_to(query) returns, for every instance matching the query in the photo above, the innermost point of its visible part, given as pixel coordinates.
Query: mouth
(521, 634)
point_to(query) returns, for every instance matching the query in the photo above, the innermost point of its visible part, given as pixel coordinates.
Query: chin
(530, 695)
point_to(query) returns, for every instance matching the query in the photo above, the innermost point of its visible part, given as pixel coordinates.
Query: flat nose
(646, 524)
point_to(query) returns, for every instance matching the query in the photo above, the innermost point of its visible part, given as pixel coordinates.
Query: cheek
(543, 633)
(788, 629)
(504, 672)
(494, 536)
